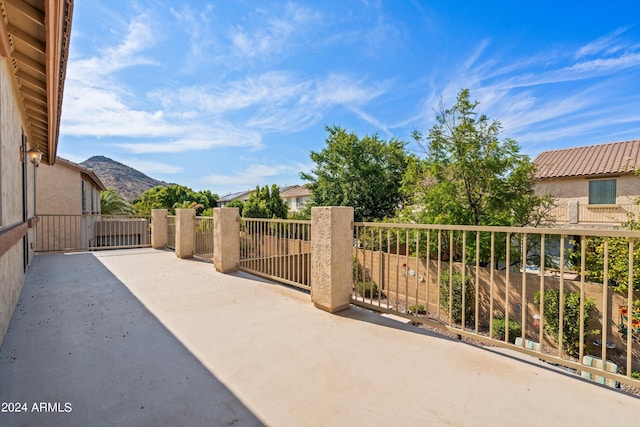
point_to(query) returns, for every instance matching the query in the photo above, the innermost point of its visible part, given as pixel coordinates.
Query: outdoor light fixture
(35, 156)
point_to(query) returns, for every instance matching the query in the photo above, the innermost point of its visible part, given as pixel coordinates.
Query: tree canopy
(171, 196)
(265, 203)
(364, 173)
(112, 203)
(469, 176)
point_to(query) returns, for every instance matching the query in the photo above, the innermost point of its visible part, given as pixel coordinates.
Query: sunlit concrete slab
(83, 351)
(266, 351)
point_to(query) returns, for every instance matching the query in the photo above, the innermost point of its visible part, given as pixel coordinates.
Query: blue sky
(226, 95)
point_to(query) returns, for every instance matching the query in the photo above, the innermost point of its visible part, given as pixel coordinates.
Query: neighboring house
(68, 207)
(593, 185)
(68, 188)
(243, 196)
(34, 47)
(296, 197)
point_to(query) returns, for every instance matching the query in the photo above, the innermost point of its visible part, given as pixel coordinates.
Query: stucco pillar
(331, 257)
(158, 228)
(572, 211)
(226, 239)
(185, 232)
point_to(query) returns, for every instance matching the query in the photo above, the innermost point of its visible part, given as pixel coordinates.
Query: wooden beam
(28, 11)
(12, 235)
(33, 96)
(26, 38)
(31, 80)
(5, 44)
(37, 115)
(26, 62)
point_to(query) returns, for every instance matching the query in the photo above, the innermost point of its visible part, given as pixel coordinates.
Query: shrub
(515, 329)
(456, 314)
(416, 309)
(367, 289)
(571, 321)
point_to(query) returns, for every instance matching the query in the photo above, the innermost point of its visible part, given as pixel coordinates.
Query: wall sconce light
(34, 155)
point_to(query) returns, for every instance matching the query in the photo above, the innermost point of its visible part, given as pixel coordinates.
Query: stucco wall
(565, 189)
(11, 263)
(59, 190)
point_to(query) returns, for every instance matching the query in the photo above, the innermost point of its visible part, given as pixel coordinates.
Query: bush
(515, 329)
(416, 309)
(367, 289)
(456, 314)
(571, 321)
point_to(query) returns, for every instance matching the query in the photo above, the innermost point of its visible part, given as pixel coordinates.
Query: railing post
(158, 228)
(331, 257)
(226, 239)
(185, 232)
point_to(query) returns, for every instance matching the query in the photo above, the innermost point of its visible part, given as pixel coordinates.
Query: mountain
(128, 182)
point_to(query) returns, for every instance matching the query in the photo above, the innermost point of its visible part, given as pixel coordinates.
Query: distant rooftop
(296, 191)
(602, 159)
(233, 196)
(88, 172)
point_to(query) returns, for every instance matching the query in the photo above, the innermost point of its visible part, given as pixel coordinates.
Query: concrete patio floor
(141, 338)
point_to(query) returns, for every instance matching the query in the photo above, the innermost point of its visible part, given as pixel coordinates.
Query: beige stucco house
(242, 196)
(68, 206)
(68, 188)
(296, 197)
(594, 186)
(34, 46)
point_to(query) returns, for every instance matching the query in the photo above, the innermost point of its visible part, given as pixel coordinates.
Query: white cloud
(198, 138)
(273, 31)
(541, 98)
(274, 100)
(250, 175)
(607, 44)
(179, 117)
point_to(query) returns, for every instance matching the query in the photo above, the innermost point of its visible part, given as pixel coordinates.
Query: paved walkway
(141, 338)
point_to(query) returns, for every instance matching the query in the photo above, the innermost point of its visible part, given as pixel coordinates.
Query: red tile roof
(603, 159)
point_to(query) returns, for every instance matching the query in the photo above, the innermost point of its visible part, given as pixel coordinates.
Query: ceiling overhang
(35, 34)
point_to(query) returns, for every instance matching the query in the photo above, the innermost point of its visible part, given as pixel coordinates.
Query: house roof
(593, 160)
(296, 191)
(84, 171)
(235, 196)
(35, 35)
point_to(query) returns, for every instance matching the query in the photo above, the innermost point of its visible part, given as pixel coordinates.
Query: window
(83, 189)
(602, 192)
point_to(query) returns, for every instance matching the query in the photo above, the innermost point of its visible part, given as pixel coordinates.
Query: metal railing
(171, 232)
(204, 238)
(610, 214)
(559, 213)
(521, 288)
(57, 233)
(595, 214)
(277, 249)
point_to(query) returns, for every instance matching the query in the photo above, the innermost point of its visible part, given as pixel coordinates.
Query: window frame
(601, 193)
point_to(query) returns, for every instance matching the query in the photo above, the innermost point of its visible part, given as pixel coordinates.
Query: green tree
(617, 249)
(571, 320)
(171, 196)
(235, 204)
(365, 174)
(265, 203)
(469, 176)
(111, 203)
